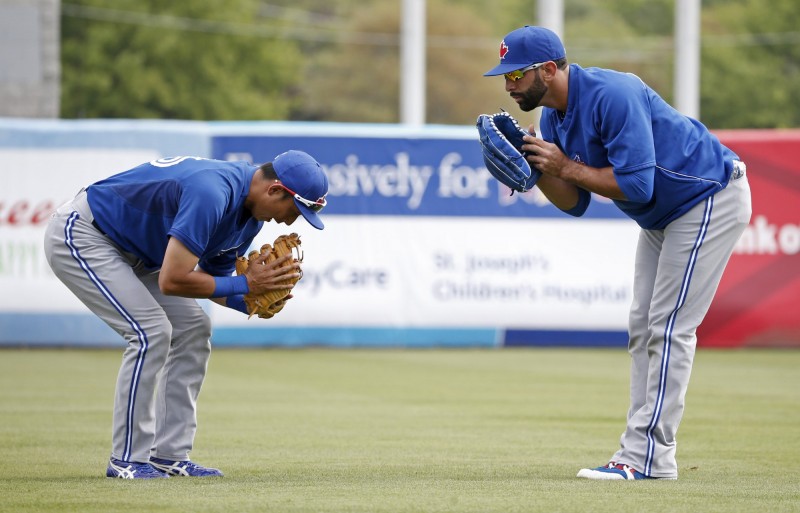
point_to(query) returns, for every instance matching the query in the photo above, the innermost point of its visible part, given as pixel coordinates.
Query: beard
(530, 98)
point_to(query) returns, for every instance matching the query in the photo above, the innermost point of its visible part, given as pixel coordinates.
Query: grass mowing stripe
(405, 431)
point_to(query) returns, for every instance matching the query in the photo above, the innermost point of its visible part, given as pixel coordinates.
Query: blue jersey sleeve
(222, 265)
(202, 204)
(625, 122)
(584, 197)
(637, 185)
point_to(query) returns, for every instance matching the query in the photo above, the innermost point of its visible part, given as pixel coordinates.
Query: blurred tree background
(338, 60)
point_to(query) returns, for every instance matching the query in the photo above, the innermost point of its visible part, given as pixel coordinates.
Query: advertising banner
(758, 301)
(405, 176)
(421, 248)
(35, 307)
(420, 238)
(449, 274)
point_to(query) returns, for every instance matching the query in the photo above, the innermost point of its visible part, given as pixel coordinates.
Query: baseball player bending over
(608, 133)
(137, 247)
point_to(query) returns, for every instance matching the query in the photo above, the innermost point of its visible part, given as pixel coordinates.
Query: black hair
(268, 171)
(561, 63)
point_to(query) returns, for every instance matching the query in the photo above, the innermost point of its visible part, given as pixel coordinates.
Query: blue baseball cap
(302, 175)
(525, 46)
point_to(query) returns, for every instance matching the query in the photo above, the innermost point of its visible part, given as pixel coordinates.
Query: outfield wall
(421, 246)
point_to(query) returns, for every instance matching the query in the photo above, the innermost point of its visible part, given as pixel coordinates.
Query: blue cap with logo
(525, 46)
(303, 175)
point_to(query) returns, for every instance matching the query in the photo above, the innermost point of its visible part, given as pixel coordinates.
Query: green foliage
(393, 431)
(648, 17)
(355, 82)
(150, 59)
(339, 60)
(751, 65)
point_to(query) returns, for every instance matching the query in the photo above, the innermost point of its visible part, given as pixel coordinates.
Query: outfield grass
(405, 431)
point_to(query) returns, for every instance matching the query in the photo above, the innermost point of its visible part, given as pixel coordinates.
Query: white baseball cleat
(612, 472)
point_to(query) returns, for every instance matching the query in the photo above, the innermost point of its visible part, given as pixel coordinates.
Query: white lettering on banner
(23, 212)
(763, 238)
(462, 181)
(404, 180)
(337, 275)
(401, 180)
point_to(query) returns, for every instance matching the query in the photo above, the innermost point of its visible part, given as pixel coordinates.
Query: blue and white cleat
(133, 470)
(612, 471)
(184, 468)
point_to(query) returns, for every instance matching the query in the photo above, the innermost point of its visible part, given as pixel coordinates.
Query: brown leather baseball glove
(268, 303)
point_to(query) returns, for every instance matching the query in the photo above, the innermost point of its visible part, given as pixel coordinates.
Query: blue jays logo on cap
(525, 46)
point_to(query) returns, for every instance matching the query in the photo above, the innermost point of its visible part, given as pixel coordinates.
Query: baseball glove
(268, 303)
(501, 142)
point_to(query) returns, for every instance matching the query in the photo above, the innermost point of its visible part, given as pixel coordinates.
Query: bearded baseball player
(138, 247)
(608, 133)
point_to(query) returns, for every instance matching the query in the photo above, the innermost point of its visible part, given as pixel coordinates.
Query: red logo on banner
(22, 212)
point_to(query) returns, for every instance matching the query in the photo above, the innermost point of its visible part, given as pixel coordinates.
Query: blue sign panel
(404, 176)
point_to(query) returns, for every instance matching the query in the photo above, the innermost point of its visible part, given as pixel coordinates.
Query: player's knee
(159, 327)
(203, 326)
(200, 336)
(196, 327)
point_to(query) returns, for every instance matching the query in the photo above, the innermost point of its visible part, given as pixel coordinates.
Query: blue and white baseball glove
(501, 143)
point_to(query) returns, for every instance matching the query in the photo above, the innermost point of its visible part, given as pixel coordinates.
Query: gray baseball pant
(168, 337)
(677, 272)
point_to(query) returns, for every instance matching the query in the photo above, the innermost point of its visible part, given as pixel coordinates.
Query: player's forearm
(598, 180)
(560, 193)
(196, 284)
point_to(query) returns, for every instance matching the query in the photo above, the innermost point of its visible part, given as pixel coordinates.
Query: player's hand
(263, 275)
(547, 157)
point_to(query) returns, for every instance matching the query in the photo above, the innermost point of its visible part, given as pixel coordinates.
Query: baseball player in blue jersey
(608, 133)
(138, 247)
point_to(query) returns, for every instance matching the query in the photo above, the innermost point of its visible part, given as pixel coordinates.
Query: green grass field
(405, 431)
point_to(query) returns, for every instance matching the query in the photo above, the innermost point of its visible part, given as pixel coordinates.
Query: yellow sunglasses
(519, 73)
